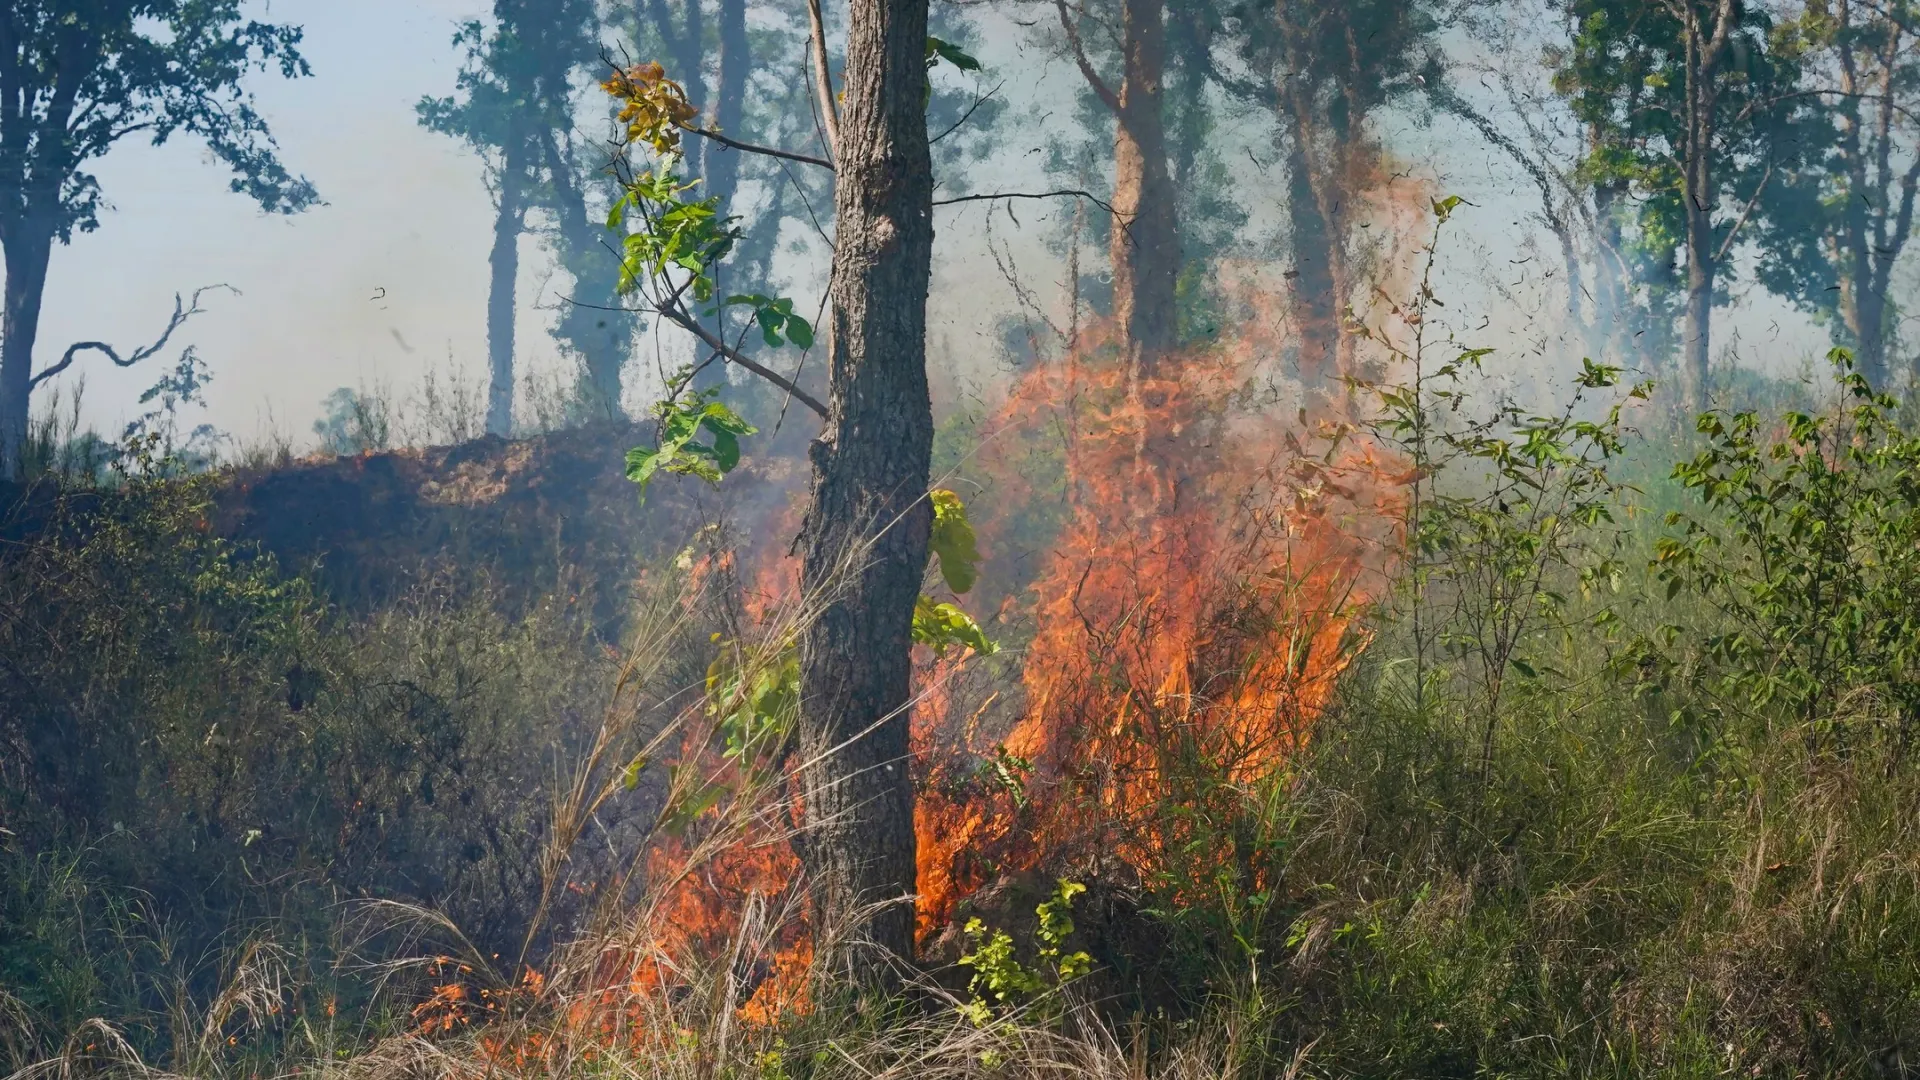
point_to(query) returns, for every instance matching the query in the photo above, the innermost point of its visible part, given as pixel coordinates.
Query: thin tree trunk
(504, 266)
(594, 324)
(29, 248)
(1700, 273)
(722, 164)
(1312, 281)
(865, 539)
(1145, 245)
(1704, 48)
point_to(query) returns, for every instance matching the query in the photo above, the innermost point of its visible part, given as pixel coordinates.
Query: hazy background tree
(1843, 221)
(514, 106)
(1326, 68)
(78, 76)
(1693, 108)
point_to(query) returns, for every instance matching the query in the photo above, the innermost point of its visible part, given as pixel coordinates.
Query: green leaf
(681, 422)
(630, 776)
(800, 331)
(942, 626)
(938, 50)
(953, 541)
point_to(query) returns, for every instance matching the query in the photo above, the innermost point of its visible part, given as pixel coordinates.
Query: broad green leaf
(942, 626)
(953, 541)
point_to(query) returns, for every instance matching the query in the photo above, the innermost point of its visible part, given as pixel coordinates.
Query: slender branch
(754, 148)
(1063, 192)
(673, 313)
(1100, 88)
(1727, 244)
(823, 78)
(182, 311)
(968, 115)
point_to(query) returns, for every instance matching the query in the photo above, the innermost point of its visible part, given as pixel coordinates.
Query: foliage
(181, 716)
(1507, 507)
(1000, 979)
(675, 233)
(1624, 73)
(354, 422)
(943, 625)
(953, 548)
(693, 415)
(91, 73)
(1810, 555)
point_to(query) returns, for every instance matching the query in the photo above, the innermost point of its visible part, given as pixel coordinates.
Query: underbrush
(1601, 797)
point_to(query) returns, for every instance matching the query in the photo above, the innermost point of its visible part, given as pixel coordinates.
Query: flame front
(1191, 620)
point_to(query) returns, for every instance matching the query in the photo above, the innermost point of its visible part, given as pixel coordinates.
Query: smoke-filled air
(959, 539)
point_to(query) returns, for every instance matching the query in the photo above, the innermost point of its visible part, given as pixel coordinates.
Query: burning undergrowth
(1195, 606)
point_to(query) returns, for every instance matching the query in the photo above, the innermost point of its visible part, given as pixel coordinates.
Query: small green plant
(1000, 979)
(1509, 510)
(1811, 556)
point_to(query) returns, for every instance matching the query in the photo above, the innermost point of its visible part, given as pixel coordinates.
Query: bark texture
(1144, 249)
(865, 539)
(1145, 246)
(29, 247)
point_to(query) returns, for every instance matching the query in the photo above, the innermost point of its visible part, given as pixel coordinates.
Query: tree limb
(1100, 88)
(823, 78)
(182, 311)
(673, 313)
(754, 148)
(1727, 244)
(968, 115)
(1076, 193)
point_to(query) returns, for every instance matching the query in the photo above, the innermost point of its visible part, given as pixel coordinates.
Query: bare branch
(823, 78)
(182, 311)
(968, 115)
(753, 148)
(1072, 29)
(1727, 244)
(1060, 193)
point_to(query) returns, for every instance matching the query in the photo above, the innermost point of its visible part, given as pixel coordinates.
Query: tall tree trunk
(504, 266)
(1610, 275)
(29, 247)
(1706, 43)
(865, 537)
(721, 164)
(1699, 326)
(1699, 196)
(595, 325)
(1312, 281)
(1145, 246)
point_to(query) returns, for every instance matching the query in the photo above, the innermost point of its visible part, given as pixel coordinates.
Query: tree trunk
(1610, 275)
(596, 327)
(504, 265)
(1695, 355)
(865, 538)
(721, 164)
(1312, 281)
(1145, 246)
(29, 247)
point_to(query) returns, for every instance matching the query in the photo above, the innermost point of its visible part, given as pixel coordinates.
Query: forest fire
(1190, 622)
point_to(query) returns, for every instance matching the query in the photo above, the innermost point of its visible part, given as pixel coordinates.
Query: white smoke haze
(388, 280)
